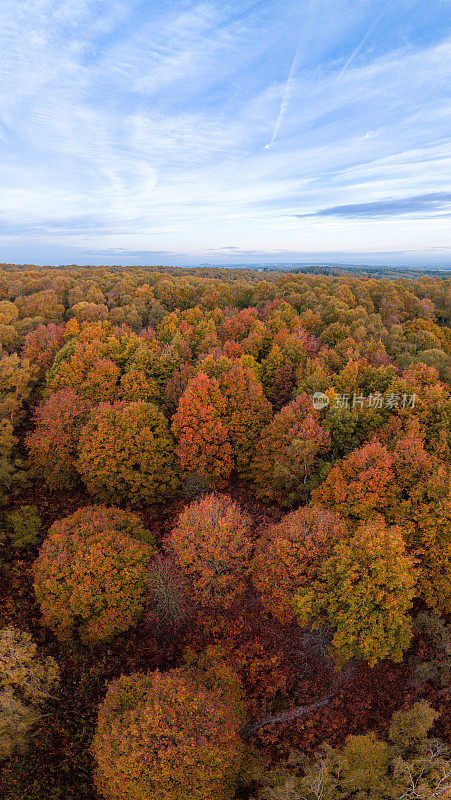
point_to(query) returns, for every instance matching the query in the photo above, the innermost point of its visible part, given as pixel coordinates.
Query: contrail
(288, 86)
(291, 75)
(286, 96)
(356, 50)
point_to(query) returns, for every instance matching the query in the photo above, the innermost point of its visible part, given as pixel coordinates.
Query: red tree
(53, 444)
(211, 543)
(246, 414)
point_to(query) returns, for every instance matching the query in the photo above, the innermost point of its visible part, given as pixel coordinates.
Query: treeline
(299, 427)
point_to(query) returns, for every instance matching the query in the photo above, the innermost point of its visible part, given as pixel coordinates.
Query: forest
(225, 525)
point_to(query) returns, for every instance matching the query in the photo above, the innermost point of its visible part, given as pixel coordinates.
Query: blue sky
(225, 132)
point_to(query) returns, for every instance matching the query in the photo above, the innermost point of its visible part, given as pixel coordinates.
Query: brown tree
(287, 453)
(26, 680)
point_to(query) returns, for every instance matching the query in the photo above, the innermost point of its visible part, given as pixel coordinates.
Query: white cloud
(148, 133)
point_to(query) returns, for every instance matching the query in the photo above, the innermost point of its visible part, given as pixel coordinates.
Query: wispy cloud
(176, 129)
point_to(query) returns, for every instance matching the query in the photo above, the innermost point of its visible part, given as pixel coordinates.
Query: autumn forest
(225, 527)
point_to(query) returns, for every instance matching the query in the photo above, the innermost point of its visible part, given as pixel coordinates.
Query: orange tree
(203, 443)
(365, 590)
(89, 577)
(211, 543)
(287, 453)
(246, 414)
(80, 366)
(360, 485)
(53, 444)
(151, 367)
(166, 737)
(432, 406)
(126, 453)
(246, 410)
(412, 489)
(92, 359)
(289, 554)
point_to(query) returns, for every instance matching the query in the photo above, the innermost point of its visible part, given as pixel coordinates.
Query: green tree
(24, 524)
(365, 590)
(411, 766)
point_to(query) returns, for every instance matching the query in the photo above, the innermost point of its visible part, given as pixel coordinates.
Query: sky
(314, 131)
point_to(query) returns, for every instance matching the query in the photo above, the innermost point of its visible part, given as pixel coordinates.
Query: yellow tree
(26, 680)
